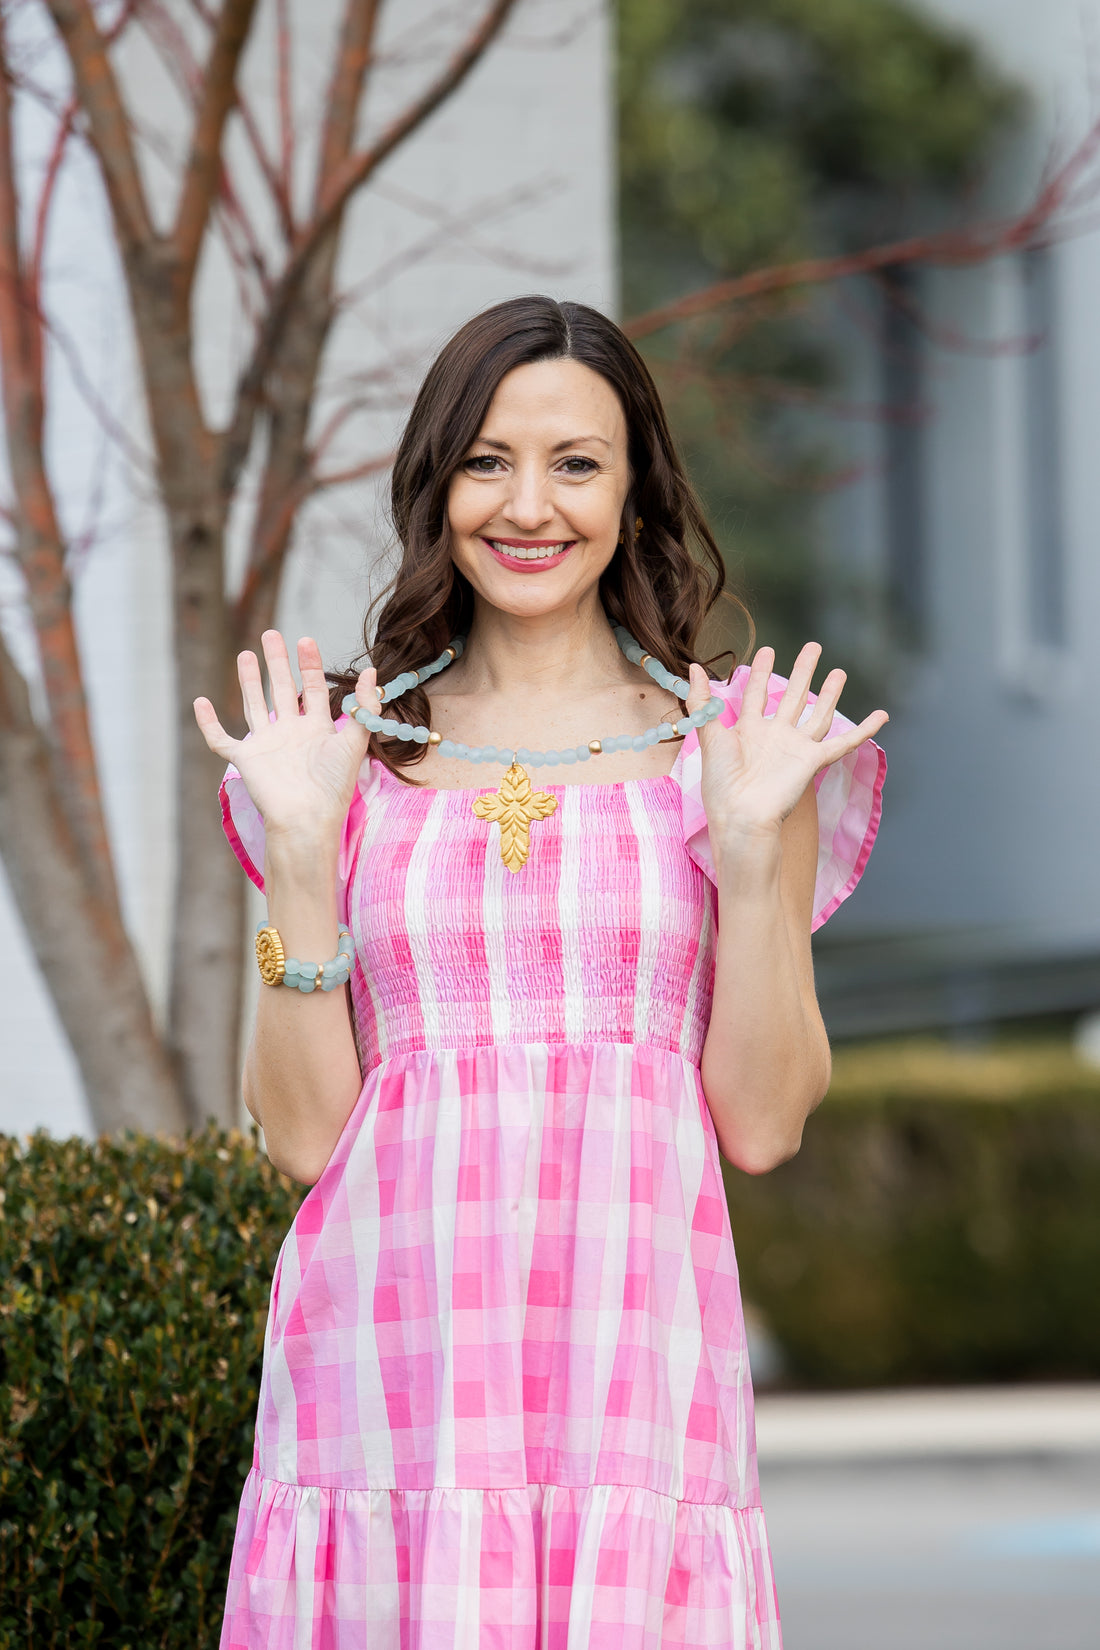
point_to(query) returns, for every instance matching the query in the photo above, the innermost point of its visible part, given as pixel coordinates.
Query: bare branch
(348, 178)
(112, 140)
(353, 55)
(45, 199)
(203, 169)
(953, 247)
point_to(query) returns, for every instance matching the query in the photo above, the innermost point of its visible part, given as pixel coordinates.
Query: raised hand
(755, 772)
(298, 767)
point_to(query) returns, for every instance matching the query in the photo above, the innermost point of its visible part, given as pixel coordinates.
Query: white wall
(508, 189)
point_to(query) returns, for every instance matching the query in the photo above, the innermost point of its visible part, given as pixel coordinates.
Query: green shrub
(941, 1222)
(134, 1280)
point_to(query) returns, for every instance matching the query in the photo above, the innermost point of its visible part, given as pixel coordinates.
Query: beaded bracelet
(276, 968)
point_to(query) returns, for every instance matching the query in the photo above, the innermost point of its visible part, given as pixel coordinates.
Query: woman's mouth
(529, 555)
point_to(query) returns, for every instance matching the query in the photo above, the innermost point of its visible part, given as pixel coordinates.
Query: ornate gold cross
(514, 806)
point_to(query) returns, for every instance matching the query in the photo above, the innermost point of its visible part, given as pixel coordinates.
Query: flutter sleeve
(849, 800)
(243, 825)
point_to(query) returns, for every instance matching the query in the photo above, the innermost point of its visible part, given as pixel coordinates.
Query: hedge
(134, 1282)
(941, 1222)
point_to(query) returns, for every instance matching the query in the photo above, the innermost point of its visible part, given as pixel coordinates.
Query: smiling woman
(506, 1395)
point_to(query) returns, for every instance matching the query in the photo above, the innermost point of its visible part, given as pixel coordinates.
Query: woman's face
(536, 507)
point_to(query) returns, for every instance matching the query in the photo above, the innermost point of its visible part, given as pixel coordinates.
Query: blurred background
(859, 243)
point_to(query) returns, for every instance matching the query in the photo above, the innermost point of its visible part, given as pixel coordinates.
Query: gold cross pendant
(514, 806)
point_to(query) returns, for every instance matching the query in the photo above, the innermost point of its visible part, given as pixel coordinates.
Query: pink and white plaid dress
(506, 1400)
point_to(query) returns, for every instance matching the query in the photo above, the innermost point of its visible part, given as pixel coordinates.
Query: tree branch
(353, 55)
(203, 169)
(349, 177)
(952, 247)
(99, 96)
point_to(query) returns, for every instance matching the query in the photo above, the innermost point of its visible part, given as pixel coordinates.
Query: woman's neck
(507, 655)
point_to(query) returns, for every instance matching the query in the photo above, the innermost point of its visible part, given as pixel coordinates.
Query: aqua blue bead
(666, 731)
(651, 736)
(291, 967)
(474, 753)
(684, 725)
(462, 752)
(446, 747)
(583, 753)
(523, 756)
(306, 986)
(638, 743)
(405, 733)
(307, 970)
(552, 758)
(349, 704)
(536, 759)
(390, 725)
(421, 735)
(329, 983)
(697, 718)
(568, 756)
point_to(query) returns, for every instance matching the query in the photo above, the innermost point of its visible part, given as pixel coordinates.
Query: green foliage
(134, 1279)
(929, 1232)
(755, 132)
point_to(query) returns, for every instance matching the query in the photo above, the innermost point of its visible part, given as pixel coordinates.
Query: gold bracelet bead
(595, 747)
(435, 737)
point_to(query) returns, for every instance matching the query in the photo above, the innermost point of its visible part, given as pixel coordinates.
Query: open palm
(755, 772)
(299, 768)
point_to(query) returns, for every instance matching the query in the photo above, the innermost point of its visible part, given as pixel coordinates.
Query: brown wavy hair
(661, 583)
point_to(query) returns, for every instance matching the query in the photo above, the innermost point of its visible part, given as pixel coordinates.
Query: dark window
(1046, 573)
(903, 390)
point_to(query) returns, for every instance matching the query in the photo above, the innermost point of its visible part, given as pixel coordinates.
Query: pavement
(935, 1520)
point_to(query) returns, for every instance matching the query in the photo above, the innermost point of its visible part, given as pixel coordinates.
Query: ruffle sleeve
(849, 800)
(243, 825)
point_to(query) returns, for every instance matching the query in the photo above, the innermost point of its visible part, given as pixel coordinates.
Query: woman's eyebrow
(559, 447)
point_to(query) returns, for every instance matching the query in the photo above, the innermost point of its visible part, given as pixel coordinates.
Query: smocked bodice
(605, 936)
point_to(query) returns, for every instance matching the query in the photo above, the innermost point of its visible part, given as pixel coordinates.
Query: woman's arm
(301, 1076)
(766, 1061)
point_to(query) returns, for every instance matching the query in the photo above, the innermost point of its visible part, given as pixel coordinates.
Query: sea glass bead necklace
(515, 805)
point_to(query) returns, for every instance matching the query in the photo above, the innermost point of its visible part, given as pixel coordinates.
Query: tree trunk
(208, 927)
(80, 942)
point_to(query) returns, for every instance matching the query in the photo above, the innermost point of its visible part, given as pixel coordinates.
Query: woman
(505, 1398)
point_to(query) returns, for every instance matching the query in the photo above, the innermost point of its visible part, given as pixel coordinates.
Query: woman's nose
(530, 506)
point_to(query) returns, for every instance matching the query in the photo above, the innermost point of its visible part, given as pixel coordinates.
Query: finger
(284, 689)
(315, 699)
(367, 690)
(252, 690)
(699, 683)
(217, 740)
(833, 749)
(797, 691)
(817, 725)
(755, 701)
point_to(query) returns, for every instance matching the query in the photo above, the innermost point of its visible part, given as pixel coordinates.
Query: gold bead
(644, 660)
(595, 747)
(453, 654)
(435, 738)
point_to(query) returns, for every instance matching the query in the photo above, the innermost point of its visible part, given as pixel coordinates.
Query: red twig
(952, 248)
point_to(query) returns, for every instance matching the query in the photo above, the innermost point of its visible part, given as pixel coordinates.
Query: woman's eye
(481, 463)
(579, 466)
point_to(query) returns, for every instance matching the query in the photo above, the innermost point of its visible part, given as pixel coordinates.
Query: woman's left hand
(755, 772)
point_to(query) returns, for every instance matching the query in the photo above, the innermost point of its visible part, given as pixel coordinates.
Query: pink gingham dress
(505, 1400)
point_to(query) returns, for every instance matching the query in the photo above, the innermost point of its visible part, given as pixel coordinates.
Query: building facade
(967, 575)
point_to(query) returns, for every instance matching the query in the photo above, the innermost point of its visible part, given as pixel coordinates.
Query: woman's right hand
(298, 768)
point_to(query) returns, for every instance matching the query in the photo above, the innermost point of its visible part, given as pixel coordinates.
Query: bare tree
(53, 832)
